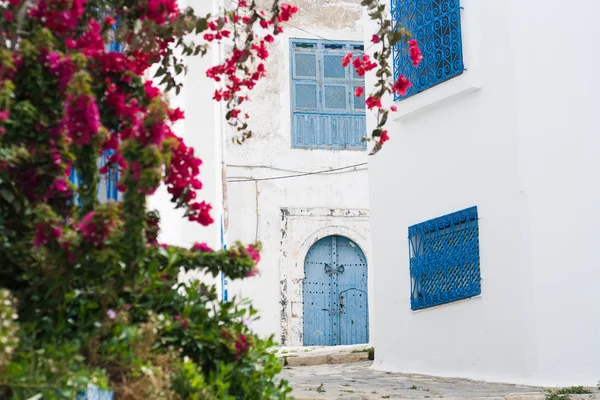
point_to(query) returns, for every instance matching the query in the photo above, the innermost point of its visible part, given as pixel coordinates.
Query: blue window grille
(436, 26)
(325, 112)
(444, 259)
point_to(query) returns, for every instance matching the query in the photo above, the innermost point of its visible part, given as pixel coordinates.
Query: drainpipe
(218, 5)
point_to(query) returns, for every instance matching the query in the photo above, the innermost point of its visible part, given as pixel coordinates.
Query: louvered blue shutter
(305, 94)
(324, 112)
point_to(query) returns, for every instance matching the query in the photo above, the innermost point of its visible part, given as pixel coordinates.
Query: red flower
(401, 85)
(81, 119)
(383, 137)
(9, 16)
(394, 108)
(372, 102)
(175, 115)
(202, 247)
(109, 20)
(269, 39)
(414, 52)
(151, 91)
(375, 39)
(359, 91)
(287, 11)
(241, 346)
(346, 60)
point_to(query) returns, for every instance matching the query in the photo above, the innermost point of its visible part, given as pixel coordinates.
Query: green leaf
(7, 195)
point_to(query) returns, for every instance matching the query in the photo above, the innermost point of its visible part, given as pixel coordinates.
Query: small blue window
(436, 26)
(444, 259)
(325, 112)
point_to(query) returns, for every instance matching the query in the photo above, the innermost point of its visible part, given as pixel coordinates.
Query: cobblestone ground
(357, 382)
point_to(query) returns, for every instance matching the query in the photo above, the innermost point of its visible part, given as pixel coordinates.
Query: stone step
(322, 355)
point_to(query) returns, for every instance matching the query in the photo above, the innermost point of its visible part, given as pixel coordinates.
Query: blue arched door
(335, 304)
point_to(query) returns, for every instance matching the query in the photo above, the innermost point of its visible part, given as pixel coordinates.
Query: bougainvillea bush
(88, 296)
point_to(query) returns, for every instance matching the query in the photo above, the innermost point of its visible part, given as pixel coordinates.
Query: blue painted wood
(335, 290)
(352, 288)
(318, 310)
(325, 112)
(95, 393)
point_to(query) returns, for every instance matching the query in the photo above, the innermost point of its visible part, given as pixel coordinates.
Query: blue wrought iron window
(436, 26)
(444, 259)
(325, 112)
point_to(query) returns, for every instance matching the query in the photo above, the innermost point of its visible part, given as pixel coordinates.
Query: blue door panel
(335, 291)
(316, 292)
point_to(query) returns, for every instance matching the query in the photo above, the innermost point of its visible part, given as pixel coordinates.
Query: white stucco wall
(521, 149)
(255, 208)
(201, 130)
(559, 145)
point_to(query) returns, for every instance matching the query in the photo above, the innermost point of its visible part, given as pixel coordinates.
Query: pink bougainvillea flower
(384, 137)
(372, 102)
(359, 91)
(346, 60)
(202, 247)
(414, 52)
(401, 85)
(287, 11)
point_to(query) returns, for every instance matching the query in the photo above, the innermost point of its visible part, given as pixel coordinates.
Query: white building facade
(484, 202)
(300, 184)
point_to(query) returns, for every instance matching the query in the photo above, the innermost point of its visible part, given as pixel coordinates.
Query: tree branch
(20, 21)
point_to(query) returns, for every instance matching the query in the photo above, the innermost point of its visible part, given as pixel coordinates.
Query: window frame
(321, 115)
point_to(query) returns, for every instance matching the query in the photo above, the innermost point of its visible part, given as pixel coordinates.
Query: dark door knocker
(328, 269)
(340, 269)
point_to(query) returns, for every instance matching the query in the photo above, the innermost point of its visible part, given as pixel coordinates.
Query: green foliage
(574, 390)
(87, 295)
(564, 393)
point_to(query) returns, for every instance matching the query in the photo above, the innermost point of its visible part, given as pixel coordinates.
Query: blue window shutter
(335, 97)
(324, 114)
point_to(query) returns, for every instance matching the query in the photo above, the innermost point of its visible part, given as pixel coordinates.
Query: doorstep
(321, 355)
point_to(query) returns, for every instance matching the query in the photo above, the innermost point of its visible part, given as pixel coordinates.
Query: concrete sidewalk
(359, 382)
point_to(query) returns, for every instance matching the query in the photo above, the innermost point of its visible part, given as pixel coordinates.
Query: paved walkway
(359, 382)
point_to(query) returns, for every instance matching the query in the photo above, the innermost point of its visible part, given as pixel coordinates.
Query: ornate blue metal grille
(436, 25)
(325, 112)
(444, 259)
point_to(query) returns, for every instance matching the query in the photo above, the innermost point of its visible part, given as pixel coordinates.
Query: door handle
(341, 304)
